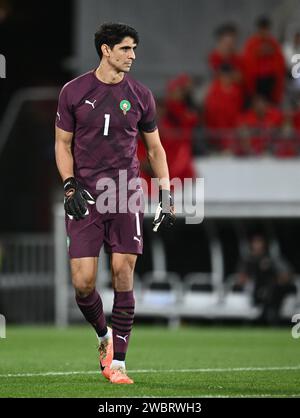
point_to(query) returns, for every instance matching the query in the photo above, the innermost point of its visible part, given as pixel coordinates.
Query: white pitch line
(236, 369)
(203, 395)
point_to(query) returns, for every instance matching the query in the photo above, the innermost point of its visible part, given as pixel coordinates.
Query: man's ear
(105, 50)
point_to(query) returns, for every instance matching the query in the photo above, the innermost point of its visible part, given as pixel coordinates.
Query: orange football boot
(106, 353)
(119, 376)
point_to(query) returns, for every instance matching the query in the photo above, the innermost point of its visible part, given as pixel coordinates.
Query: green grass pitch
(189, 361)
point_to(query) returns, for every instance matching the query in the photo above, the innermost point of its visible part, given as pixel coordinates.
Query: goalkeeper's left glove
(76, 199)
(164, 214)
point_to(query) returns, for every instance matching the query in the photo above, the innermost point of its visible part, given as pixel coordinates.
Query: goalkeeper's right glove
(165, 211)
(76, 199)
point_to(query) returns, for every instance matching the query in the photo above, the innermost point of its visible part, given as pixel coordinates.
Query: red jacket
(215, 60)
(263, 58)
(261, 130)
(223, 105)
(222, 108)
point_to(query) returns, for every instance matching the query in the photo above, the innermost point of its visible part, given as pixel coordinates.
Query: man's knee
(123, 275)
(83, 283)
(83, 277)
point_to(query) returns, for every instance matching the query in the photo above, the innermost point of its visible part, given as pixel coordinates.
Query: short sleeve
(64, 114)
(147, 122)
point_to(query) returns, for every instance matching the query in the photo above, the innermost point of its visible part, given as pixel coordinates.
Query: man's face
(297, 39)
(227, 43)
(121, 56)
(258, 246)
(260, 105)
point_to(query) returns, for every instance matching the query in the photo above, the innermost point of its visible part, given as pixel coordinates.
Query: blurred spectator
(179, 102)
(222, 107)
(291, 48)
(296, 116)
(1, 257)
(270, 278)
(264, 67)
(225, 51)
(286, 143)
(258, 126)
(5, 33)
(5, 10)
(176, 121)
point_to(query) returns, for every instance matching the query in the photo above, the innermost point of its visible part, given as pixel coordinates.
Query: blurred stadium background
(222, 115)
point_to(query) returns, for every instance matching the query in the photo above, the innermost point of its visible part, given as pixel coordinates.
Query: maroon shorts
(120, 233)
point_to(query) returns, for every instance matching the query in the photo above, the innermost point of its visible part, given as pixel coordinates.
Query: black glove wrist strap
(70, 183)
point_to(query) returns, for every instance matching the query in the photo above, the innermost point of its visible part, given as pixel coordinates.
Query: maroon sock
(122, 321)
(92, 309)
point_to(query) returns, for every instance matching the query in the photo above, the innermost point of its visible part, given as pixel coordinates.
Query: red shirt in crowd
(216, 60)
(263, 58)
(260, 130)
(222, 107)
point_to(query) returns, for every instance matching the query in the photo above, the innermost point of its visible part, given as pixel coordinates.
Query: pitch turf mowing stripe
(214, 362)
(235, 369)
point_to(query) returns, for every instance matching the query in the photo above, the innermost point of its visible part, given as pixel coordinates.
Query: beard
(121, 69)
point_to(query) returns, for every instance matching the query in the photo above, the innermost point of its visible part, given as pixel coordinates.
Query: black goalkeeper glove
(164, 214)
(76, 199)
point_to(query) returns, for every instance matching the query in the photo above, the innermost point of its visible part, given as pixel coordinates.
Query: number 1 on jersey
(106, 124)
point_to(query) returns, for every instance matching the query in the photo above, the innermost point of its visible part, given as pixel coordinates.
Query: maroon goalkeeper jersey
(105, 120)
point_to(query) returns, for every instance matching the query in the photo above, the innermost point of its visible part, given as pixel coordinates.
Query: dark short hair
(263, 22)
(112, 34)
(226, 29)
(226, 68)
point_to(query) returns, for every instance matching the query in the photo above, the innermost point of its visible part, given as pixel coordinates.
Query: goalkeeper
(98, 119)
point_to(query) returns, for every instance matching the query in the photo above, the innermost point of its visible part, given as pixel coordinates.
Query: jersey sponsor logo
(125, 106)
(91, 103)
(122, 338)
